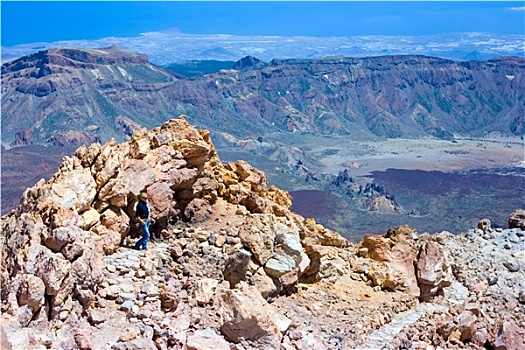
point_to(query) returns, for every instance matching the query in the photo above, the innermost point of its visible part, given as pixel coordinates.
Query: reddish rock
(84, 339)
(395, 253)
(289, 280)
(247, 317)
(197, 210)
(510, 337)
(115, 192)
(168, 294)
(433, 271)
(116, 220)
(466, 325)
(138, 175)
(160, 197)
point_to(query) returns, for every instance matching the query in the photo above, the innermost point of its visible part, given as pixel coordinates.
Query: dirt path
(381, 338)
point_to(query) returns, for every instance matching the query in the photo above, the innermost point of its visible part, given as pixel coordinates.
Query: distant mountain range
(75, 96)
(166, 47)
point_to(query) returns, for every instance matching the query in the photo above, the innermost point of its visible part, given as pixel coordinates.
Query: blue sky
(41, 21)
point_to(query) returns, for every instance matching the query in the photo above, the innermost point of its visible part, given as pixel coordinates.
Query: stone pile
(231, 267)
(490, 265)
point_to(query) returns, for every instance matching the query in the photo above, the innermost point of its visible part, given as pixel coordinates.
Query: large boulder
(247, 317)
(433, 270)
(287, 252)
(74, 189)
(395, 257)
(510, 337)
(517, 219)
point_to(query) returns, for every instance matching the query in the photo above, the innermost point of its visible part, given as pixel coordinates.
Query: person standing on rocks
(142, 213)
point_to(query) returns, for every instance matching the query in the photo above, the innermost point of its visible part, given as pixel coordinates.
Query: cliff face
(46, 60)
(392, 96)
(75, 97)
(231, 266)
(107, 93)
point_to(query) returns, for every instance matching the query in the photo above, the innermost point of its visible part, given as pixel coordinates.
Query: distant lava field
(432, 201)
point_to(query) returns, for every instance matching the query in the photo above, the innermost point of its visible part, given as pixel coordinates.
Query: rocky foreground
(231, 267)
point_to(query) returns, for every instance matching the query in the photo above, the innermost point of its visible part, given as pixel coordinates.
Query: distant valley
(301, 121)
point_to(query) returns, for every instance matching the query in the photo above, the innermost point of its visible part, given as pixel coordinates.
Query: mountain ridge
(69, 57)
(386, 96)
(88, 77)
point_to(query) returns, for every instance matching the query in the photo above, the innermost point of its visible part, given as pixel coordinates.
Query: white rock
(128, 296)
(279, 265)
(97, 316)
(206, 339)
(204, 290)
(127, 306)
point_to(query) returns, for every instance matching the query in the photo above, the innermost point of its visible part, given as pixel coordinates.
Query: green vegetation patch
(443, 103)
(106, 107)
(146, 74)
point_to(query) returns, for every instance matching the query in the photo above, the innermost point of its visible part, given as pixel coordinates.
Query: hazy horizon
(26, 22)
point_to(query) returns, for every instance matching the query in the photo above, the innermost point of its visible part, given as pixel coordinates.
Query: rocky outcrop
(394, 260)
(53, 244)
(369, 195)
(517, 219)
(248, 62)
(86, 58)
(230, 266)
(433, 270)
(402, 260)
